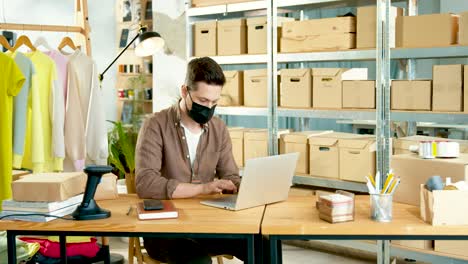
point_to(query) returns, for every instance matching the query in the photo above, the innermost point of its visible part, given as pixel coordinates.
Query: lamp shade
(148, 43)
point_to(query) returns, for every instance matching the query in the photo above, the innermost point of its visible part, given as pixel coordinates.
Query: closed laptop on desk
(266, 180)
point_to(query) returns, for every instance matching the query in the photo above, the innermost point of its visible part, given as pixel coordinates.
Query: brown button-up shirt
(163, 160)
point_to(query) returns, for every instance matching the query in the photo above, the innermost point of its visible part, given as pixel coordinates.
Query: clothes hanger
(4, 43)
(42, 41)
(66, 41)
(23, 40)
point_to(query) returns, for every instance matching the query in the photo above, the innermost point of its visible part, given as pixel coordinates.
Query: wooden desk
(298, 218)
(195, 220)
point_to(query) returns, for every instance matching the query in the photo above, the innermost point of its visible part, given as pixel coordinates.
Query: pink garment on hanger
(61, 63)
(52, 249)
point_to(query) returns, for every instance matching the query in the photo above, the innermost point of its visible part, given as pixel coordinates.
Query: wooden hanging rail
(51, 28)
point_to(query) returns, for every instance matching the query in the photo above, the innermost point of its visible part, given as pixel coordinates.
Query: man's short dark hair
(205, 70)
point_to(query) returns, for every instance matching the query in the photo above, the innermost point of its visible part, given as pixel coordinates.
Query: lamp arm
(101, 76)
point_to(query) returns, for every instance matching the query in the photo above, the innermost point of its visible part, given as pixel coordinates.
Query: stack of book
(39, 211)
(336, 207)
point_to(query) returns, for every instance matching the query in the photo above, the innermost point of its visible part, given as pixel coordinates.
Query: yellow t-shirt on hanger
(11, 81)
(38, 154)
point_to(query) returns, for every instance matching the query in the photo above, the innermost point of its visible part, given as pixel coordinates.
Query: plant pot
(130, 182)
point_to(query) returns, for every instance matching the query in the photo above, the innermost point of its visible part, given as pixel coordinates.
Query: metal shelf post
(272, 68)
(383, 88)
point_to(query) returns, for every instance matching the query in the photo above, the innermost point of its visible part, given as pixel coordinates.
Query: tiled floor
(291, 255)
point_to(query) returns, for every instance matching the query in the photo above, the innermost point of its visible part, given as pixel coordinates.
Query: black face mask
(200, 113)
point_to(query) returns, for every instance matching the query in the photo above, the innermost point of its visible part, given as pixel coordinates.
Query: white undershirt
(192, 142)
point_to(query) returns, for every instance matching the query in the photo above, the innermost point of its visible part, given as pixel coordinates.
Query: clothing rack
(82, 28)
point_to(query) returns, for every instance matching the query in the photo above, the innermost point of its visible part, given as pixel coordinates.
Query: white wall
(102, 22)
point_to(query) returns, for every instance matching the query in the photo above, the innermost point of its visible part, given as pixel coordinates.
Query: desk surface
(193, 218)
(299, 216)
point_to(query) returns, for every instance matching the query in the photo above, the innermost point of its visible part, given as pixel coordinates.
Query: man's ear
(183, 91)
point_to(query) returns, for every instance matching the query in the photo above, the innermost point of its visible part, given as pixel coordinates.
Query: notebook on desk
(169, 211)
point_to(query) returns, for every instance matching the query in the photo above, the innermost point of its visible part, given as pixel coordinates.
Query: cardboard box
(55, 186)
(357, 158)
(199, 3)
(319, 34)
(463, 32)
(296, 88)
(232, 37)
(257, 34)
(359, 94)
(233, 92)
(319, 43)
(465, 89)
(414, 171)
(237, 141)
(298, 142)
(402, 145)
(366, 29)
(411, 95)
(327, 87)
(435, 30)
(107, 188)
(447, 88)
(255, 88)
(452, 247)
(205, 39)
(324, 154)
(441, 208)
(420, 244)
(256, 143)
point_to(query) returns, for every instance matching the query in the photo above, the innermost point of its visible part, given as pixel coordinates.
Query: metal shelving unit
(382, 55)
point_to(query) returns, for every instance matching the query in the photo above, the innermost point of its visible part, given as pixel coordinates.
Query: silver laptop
(265, 180)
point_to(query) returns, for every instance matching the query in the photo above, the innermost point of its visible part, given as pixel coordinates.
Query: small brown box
(59, 186)
(357, 158)
(205, 39)
(298, 142)
(366, 28)
(359, 94)
(296, 88)
(257, 34)
(256, 143)
(434, 30)
(463, 32)
(447, 88)
(255, 88)
(232, 37)
(421, 244)
(414, 171)
(319, 34)
(237, 140)
(411, 95)
(452, 247)
(233, 92)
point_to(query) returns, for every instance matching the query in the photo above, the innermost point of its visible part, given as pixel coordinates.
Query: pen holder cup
(381, 207)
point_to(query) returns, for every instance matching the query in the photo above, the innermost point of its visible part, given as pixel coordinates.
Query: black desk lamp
(148, 43)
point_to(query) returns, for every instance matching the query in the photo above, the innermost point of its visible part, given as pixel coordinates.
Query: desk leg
(11, 242)
(383, 252)
(275, 248)
(63, 249)
(250, 249)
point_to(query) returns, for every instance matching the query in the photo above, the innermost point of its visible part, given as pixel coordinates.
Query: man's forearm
(187, 190)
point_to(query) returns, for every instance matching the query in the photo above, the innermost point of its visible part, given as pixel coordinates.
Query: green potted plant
(122, 143)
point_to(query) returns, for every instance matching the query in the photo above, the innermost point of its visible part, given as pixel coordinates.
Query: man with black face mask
(180, 151)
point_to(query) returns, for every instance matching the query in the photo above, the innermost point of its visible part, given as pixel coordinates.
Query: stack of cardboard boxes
(415, 171)
(445, 93)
